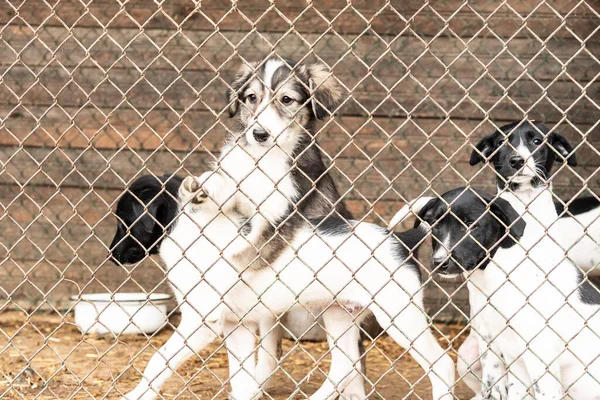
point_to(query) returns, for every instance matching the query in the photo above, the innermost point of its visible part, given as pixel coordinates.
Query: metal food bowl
(121, 313)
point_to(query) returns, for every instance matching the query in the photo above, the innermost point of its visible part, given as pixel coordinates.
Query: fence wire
(96, 94)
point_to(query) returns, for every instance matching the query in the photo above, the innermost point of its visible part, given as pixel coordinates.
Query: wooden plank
(106, 129)
(91, 168)
(380, 17)
(344, 136)
(69, 225)
(502, 99)
(77, 226)
(31, 283)
(386, 58)
(386, 180)
(66, 241)
(46, 283)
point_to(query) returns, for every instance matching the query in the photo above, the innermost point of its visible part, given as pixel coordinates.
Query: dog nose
(516, 162)
(260, 135)
(439, 264)
(112, 257)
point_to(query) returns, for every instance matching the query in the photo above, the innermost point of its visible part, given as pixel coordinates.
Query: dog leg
(269, 351)
(189, 338)
(343, 334)
(543, 349)
(410, 330)
(494, 381)
(544, 374)
(468, 364)
(241, 344)
(517, 388)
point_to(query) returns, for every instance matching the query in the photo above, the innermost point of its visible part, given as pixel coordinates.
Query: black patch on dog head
(144, 213)
(545, 149)
(474, 225)
(405, 247)
(283, 73)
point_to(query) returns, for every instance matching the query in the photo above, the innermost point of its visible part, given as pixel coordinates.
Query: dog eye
(286, 100)
(537, 141)
(251, 98)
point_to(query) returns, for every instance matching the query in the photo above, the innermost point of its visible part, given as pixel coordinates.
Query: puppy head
(523, 152)
(468, 226)
(278, 101)
(143, 213)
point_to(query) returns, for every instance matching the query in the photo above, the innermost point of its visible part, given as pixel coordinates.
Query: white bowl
(120, 313)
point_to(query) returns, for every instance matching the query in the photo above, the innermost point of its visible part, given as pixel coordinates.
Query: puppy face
(468, 226)
(143, 213)
(278, 101)
(523, 152)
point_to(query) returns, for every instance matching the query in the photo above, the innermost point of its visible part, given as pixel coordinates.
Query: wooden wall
(93, 96)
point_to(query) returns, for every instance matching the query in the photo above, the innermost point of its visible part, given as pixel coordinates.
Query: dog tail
(413, 206)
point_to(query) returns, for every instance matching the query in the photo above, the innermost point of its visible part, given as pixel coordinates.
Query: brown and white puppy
(261, 151)
(271, 172)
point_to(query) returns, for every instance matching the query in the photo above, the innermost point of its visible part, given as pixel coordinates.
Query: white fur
(529, 169)
(443, 250)
(577, 237)
(413, 206)
(580, 238)
(527, 308)
(186, 279)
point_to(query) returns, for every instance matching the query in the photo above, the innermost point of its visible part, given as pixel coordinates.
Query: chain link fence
(95, 94)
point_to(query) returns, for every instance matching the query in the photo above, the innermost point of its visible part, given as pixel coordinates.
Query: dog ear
(326, 92)
(509, 218)
(234, 92)
(484, 149)
(148, 216)
(430, 212)
(563, 148)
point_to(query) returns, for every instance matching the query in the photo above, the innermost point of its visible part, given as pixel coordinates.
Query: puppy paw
(190, 191)
(251, 394)
(140, 395)
(264, 373)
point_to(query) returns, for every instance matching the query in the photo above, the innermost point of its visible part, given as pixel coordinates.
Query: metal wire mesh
(95, 94)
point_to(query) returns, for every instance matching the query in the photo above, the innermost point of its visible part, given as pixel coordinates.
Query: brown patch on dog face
(244, 74)
(326, 91)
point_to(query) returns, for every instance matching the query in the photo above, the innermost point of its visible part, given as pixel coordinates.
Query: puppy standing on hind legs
(272, 129)
(275, 134)
(195, 249)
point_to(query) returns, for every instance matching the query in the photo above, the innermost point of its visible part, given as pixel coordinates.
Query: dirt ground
(45, 357)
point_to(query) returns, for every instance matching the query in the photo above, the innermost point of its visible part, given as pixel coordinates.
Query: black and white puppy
(532, 314)
(271, 173)
(523, 155)
(145, 215)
